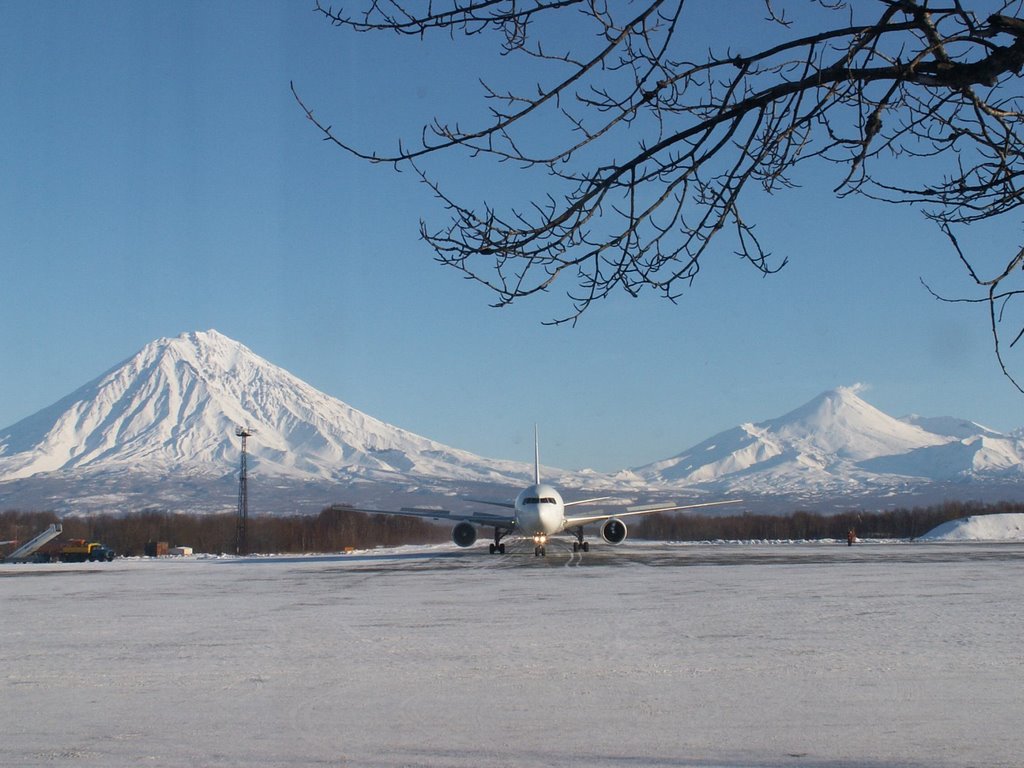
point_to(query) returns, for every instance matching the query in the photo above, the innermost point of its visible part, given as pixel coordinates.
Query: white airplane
(538, 513)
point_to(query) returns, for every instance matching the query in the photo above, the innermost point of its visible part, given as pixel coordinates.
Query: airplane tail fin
(536, 456)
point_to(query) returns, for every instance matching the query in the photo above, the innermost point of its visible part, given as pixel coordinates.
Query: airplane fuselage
(540, 511)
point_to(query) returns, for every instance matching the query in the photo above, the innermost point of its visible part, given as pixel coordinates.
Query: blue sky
(157, 177)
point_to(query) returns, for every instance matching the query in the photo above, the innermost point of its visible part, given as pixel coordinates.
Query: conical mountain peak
(825, 442)
(175, 405)
(840, 422)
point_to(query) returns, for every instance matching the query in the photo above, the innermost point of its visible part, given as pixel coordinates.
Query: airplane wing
(510, 505)
(506, 504)
(643, 509)
(587, 501)
(480, 518)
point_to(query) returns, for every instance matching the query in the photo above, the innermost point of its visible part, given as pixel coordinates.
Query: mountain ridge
(162, 422)
(838, 441)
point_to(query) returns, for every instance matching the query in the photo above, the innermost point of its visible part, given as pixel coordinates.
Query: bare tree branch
(930, 85)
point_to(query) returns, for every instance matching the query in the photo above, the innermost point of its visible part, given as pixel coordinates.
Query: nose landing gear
(539, 550)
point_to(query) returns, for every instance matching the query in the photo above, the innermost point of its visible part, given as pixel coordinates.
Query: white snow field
(642, 655)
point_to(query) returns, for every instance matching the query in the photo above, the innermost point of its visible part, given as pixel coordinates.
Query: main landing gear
(580, 545)
(497, 548)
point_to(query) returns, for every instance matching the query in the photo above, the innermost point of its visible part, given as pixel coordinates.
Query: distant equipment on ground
(242, 519)
(156, 549)
(80, 550)
(25, 551)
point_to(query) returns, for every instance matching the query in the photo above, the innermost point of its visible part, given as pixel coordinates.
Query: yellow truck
(80, 550)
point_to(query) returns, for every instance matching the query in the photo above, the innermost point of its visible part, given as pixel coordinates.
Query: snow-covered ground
(643, 655)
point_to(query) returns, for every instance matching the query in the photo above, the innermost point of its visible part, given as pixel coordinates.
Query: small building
(180, 551)
(156, 549)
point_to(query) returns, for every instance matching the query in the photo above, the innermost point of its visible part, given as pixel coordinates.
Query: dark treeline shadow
(898, 523)
(332, 530)
(336, 528)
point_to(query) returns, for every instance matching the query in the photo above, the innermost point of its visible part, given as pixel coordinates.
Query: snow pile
(1000, 527)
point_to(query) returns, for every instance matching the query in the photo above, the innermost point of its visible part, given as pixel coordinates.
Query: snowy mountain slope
(835, 429)
(838, 443)
(175, 406)
(956, 459)
(950, 427)
(158, 429)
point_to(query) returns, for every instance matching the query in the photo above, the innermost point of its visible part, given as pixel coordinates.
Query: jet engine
(613, 531)
(464, 534)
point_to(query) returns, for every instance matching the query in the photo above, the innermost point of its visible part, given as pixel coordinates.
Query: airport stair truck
(26, 550)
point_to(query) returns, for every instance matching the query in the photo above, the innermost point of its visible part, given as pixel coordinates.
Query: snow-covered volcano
(175, 405)
(159, 430)
(839, 443)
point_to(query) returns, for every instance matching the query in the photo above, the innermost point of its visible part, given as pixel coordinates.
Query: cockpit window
(536, 500)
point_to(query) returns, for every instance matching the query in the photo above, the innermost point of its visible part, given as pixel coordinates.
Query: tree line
(332, 530)
(335, 528)
(897, 523)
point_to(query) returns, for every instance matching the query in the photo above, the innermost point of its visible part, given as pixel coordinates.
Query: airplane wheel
(585, 546)
(491, 549)
(575, 546)
(501, 549)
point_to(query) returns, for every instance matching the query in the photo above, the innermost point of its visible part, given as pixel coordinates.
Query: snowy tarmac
(739, 656)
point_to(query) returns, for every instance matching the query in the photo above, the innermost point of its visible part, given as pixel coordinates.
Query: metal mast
(242, 518)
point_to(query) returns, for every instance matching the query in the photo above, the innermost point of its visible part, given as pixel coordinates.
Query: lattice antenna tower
(242, 518)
